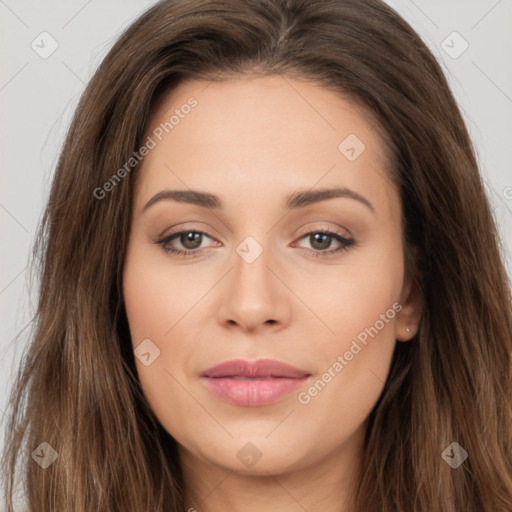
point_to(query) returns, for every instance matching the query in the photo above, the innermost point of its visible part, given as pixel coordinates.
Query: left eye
(322, 240)
(190, 240)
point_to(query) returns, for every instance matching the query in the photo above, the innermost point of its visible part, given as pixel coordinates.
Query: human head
(256, 289)
(362, 50)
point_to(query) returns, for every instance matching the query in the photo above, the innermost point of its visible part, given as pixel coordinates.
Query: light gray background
(38, 96)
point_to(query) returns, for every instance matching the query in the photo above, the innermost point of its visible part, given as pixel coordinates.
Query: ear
(408, 318)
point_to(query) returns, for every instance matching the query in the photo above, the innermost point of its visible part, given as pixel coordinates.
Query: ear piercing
(407, 329)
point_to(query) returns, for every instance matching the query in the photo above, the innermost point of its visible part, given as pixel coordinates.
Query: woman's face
(276, 268)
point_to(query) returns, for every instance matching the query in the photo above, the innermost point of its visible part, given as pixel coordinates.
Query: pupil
(192, 237)
(317, 237)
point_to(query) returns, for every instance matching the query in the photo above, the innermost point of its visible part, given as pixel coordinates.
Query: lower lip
(253, 392)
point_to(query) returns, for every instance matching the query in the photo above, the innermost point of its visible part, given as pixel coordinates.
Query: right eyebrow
(203, 199)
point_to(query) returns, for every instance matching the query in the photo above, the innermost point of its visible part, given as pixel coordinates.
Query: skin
(252, 142)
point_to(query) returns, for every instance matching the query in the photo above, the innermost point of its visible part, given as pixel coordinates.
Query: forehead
(254, 135)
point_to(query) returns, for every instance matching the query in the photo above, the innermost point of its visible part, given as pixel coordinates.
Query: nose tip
(254, 296)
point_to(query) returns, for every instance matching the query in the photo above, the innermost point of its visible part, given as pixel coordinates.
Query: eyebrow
(298, 199)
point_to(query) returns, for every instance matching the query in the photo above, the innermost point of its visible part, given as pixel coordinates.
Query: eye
(189, 239)
(320, 240)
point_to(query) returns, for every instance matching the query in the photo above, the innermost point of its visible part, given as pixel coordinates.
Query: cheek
(153, 309)
(359, 305)
(353, 296)
(158, 298)
(157, 295)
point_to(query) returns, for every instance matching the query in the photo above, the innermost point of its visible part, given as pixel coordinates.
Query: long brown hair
(77, 388)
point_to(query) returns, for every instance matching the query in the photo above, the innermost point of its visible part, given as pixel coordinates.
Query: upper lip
(256, 369)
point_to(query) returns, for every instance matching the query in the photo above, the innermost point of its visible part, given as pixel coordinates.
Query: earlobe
(409, 317)
(407, 336)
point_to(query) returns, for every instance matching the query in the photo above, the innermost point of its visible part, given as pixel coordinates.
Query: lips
(254, 383)
(263, 368)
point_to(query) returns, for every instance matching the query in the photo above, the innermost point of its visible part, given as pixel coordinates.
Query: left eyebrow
(303, 198)
(298, 199)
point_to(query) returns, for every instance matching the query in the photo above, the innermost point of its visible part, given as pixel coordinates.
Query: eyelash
(347, 243)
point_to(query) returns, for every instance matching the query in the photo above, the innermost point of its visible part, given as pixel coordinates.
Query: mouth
(253, 384)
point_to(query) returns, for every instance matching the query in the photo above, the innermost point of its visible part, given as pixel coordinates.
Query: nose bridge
(251, 275)
(254, 295)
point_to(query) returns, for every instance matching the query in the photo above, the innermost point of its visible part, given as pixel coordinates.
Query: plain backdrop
(38, 93)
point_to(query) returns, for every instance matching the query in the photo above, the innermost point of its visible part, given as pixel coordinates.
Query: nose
(254, 296)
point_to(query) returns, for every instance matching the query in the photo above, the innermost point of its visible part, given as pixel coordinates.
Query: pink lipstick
(254, 383)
